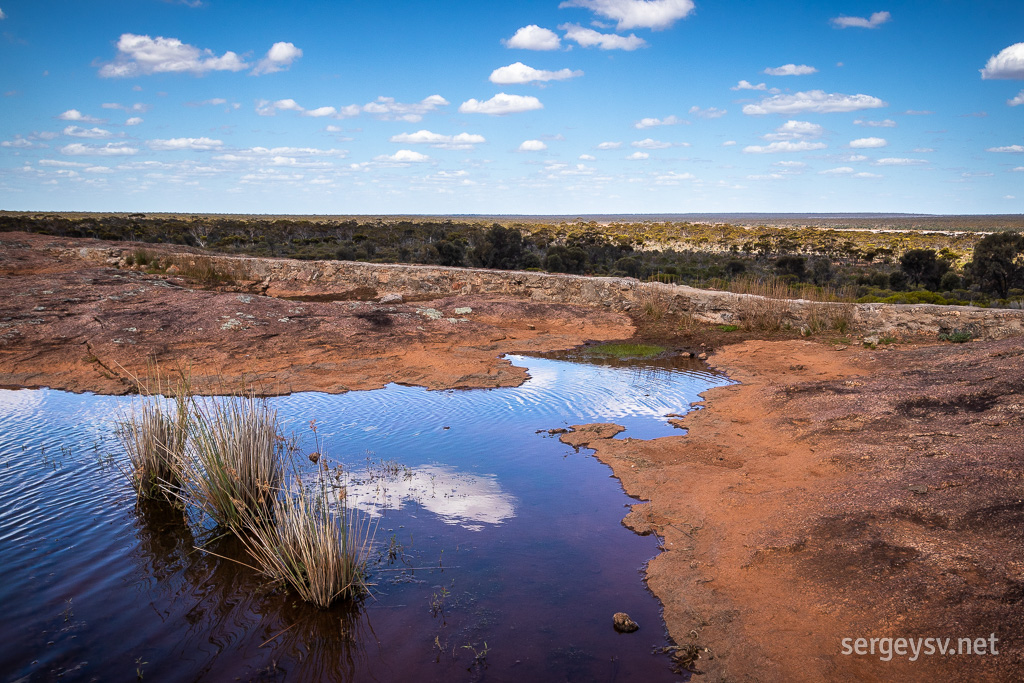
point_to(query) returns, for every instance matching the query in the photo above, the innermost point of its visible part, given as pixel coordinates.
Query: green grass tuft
(625, 350)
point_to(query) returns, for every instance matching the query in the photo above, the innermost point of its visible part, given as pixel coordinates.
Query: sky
(528, 107)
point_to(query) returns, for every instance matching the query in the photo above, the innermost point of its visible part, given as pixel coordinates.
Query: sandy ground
(840, 493)
(835, 492)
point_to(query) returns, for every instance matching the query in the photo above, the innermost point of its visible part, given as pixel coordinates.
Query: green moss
(624, 350)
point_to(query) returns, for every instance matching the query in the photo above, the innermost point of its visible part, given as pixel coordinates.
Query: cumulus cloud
(796, 130)
(75, 115)
(653, 14)
(143, 55)
(588, 157)
(887, 123)
(274, 152)
(709, 113)
(638, 156)
(501, 104)
(425, 137)
(320, 112)
(609, 145)
(672, 120)
(588, 37)
(268, 108)
(747, 85)
(92, 133)
(817, 101)
(387, 109)
(2, 15)
(842, 170)
(110, 149)
(533, 37)
(176, 144)
(521, 73)
(532, 146)
(891, 161)
(729, 143)
(1007, 64)
(868, 143)
(785, 146)
(1012, 149)
(874, 21)
(133, 121)
(279, 57)
(650, 143)
(403, 156)
(1018, 100)
(791, 70)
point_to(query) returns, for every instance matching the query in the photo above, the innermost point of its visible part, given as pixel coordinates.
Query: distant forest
(957, 265)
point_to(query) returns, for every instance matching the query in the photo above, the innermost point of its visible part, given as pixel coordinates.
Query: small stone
(919, 489)
(391, 299)
(464, 310)
(623, 624)
(702, 356)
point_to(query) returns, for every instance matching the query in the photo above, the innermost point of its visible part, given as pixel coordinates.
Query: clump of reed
(226, 458)
(769, 304)
(233, 466)
(154, 435)
(314, 543)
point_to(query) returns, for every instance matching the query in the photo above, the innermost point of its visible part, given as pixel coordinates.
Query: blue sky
(533, 107)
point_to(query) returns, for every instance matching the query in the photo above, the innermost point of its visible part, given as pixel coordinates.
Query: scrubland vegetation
(821, 263)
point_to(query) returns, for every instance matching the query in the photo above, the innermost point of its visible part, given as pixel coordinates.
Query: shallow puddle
(499, 551)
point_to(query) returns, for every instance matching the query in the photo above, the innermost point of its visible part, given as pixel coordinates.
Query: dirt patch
(840, 494)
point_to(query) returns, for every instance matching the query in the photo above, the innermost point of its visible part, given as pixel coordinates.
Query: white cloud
(653, 14)
(143, 55)
(2, 15)
(709, 113)
(842, 170)
(175, 144)
(790, 164)
(855, 157)
(19, 143)
(279, 57)
(790, 70)
(91, 133)
(786, 146)
(1019, 169)
(890, 161)
(387, 109)
(425, 137)
(137, 107)
(922, 150)
(747, 85)
(796, 130)
(865, 174)
(609, 145)
(868, 143)
(1007, 64)
(63, 164)
(672, 120)
(587, 157)
(673, 178)
(650, 143)
(268, 108)
(1013, 149)
(887, 123)
(729, 143)
(532, 146)
(75, 115)
(501, 104)
(403, 156)
(110, 149)
(533, 37)
(874, 21)
(817, 101)
(321, 111)
(520, 73)
(638, 156)
(1019, 99)
(588, 37)
(264, 152)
